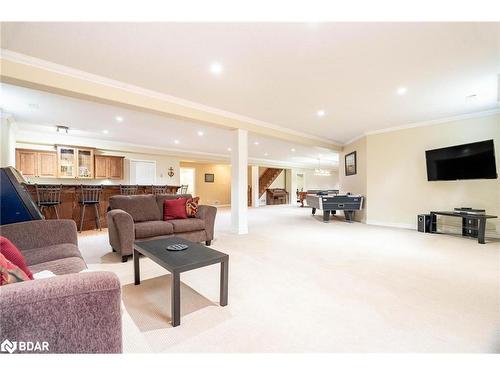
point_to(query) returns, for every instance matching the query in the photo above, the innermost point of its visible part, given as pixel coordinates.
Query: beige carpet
(300, 285)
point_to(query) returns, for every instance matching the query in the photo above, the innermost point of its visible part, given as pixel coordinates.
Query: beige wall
(397, 185)
(313, 182)
(216, 193)
(356, 184)
(163, 163)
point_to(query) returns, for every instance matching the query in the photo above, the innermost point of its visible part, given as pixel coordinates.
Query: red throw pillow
(192, 206)
(174, 209)
(10, 273)
(12, 253)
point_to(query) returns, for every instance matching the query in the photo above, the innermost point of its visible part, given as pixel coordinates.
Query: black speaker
(424, 223)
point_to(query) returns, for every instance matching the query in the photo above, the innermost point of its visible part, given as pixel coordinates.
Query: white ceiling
(284, 73)
(37, 113)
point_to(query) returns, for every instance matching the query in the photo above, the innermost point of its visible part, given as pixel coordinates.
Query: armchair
(73, 312)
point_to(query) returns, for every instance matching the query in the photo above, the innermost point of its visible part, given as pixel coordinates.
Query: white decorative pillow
(43, 275)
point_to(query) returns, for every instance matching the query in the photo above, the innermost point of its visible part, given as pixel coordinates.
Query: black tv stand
(473, 221)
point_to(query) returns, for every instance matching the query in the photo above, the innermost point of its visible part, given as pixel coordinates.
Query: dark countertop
(103, 185)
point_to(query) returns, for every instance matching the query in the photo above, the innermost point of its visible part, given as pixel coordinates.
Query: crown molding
(443, 120)
(37, 138)
(89, 77)
(16, 57)
(6, 116)
(356, 138)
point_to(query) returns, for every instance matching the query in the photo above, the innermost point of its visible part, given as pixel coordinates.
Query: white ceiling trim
(426, 123)
(182, 155)
(75, 73)
(6, 116)
(61, 69)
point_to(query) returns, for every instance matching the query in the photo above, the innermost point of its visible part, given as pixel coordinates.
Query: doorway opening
(187, 177)
(300, 181)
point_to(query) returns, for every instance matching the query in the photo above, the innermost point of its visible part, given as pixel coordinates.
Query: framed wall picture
(350, 164)
(209, 177)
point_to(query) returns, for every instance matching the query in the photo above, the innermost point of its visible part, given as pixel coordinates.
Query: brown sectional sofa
(140, 217)
(74, 312)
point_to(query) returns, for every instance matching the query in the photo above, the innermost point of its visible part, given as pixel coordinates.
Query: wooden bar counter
(70, 208)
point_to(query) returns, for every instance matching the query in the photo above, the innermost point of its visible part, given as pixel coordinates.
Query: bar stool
(129, 189)
(48, 196)
(90, 195)
(183, 189)
(162, 189)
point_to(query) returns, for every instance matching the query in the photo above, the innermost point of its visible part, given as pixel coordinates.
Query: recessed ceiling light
(105, 131)
(256, 143)
(119, 118)
(229, 148)
(293, 150)
(176, 141)
(402, 90)
(216, 68)
(320, 113)
(200, 133)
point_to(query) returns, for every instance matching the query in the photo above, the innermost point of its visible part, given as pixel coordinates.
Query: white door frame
(194, 178)
(303, 179)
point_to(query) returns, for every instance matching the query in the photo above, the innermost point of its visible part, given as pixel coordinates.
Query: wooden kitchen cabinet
(108, 167)
(100, 166)
(115, 167)
(47, 164)
(33, 163)
(66, 162)
(69, 162)
(26, 162)
(85, 160)
(75, 162)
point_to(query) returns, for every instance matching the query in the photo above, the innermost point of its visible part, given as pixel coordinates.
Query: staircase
(267, 179)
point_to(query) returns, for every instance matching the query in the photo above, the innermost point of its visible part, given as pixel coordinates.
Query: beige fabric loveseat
(140, 217)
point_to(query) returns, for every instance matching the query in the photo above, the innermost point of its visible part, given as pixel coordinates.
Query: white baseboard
(392, 225)
(489, 233)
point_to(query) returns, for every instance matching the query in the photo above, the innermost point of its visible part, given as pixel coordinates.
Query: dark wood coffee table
(196, 256)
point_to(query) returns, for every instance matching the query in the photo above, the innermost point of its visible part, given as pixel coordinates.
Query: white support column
(255, 186)
(288, 185)
(7, 141)
(293, 186)
(239, 183)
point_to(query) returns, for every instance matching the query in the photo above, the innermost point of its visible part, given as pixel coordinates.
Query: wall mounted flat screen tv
(463, 162)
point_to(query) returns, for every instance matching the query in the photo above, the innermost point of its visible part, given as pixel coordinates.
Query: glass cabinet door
(85, 163)
(67, 162)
